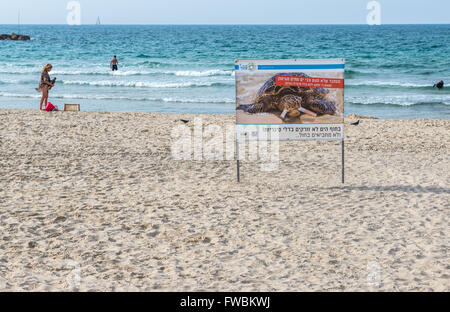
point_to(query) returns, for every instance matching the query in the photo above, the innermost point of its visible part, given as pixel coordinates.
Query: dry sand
(95, 201)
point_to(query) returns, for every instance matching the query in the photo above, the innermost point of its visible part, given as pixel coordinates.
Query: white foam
(121, 72)
(104, 97)
(139, 84)
(175, 100)
(206, 73)
(400, 100)
(387, 83)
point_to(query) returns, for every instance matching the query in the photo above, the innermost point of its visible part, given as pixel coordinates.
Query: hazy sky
(227, 11)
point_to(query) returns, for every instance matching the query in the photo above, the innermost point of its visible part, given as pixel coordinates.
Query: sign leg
(343, 161)
(237, 162)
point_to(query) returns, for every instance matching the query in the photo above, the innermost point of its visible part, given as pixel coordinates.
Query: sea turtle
(290, 100)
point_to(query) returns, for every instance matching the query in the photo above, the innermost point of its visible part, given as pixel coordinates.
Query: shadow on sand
(393, 188)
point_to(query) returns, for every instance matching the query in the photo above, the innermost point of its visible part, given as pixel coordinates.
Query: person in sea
(114, 63)
(45, 84)
(439, 85)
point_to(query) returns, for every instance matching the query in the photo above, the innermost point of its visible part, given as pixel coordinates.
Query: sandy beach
(96, 202)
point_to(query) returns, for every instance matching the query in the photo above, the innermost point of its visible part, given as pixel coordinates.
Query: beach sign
(289, 100)
(297, 99)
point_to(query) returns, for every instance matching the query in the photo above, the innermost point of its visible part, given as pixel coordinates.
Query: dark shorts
(114, 67)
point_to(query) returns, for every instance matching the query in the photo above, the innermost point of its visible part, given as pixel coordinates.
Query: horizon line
(228, 24)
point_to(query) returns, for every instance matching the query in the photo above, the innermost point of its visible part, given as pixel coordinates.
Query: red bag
(49, 107)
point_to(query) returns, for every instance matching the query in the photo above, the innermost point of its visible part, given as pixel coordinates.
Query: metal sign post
(237, 160)
(343, 161)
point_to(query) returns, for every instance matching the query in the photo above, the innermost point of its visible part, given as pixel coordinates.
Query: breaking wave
(144, 84)
(102, 97)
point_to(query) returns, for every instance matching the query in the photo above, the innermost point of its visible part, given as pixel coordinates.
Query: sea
(390, 69)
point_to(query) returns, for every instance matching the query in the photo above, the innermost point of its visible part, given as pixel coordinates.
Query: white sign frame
(326, 131)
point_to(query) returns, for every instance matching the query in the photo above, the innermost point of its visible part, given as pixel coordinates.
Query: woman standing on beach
(45, 84)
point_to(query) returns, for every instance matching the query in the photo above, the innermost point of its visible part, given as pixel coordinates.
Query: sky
(227, 11)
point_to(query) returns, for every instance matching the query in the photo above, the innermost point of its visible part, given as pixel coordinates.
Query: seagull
(185, 121)
(355, 123)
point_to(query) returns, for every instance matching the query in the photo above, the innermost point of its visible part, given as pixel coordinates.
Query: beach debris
(354, 116)
(185, 121)
(355, 123)
(153, 234)
(198, 238)
(291, 101)
(60, 219)
(439, 85)
(72, 107)
(32, 244)
(15, 37)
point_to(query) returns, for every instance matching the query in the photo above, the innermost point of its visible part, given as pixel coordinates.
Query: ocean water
(390, 69)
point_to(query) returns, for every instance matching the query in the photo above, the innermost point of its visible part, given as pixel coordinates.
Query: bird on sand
(355, 123)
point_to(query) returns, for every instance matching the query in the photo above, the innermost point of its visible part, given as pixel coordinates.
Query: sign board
(294, 99)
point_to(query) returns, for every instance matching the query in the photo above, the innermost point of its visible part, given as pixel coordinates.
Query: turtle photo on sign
(289, 91)
(291, 101)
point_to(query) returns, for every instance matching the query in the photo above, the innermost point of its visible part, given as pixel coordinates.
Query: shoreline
(349, 116)
(101, 192)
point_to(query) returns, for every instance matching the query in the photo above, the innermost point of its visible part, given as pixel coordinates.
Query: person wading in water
(114, 63)
(439, 85)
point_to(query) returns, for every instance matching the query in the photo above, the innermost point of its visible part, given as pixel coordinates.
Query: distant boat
(98, 21)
